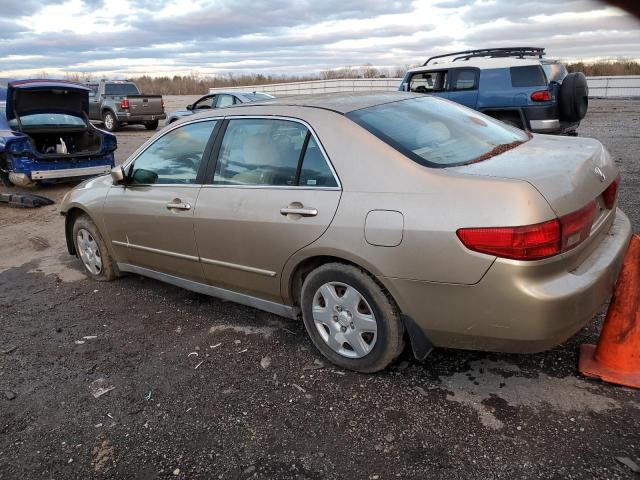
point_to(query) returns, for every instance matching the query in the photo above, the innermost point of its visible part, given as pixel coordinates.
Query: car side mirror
(117, 174)
(189, 107)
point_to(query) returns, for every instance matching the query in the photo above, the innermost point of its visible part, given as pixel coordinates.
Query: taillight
(541, 96)
(124, 104)
(162, 103)
(532, 242)
(610, 194)
(576, 226)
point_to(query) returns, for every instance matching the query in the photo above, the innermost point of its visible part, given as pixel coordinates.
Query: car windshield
(49, 120)
(121, 89)
(436, 132)
(254, 97)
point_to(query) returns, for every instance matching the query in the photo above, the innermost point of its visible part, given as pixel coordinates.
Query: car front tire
(151, 125)
(92, 250)
(350, 319)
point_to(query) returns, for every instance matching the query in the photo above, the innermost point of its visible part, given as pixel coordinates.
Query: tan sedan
(374, 217)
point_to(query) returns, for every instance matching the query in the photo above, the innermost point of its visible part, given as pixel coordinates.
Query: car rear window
(436, 132)
(53, 120)
(555, 71)
(121, 89)
(254, 97)
(529, 76)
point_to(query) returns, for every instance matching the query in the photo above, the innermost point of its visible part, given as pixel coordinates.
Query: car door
(150, 217)
(464, 86)
(272, 192)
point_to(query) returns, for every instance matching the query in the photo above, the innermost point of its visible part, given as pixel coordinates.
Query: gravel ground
(208, 389)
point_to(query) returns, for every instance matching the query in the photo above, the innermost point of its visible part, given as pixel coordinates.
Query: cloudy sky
(132, 37)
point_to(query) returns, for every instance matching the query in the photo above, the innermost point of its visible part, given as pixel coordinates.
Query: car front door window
(174, 158)
(429, 82)
(204, 103)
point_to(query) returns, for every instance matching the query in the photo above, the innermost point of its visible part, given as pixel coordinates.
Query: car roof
(336, 102)
(237, 92)
(481, 63)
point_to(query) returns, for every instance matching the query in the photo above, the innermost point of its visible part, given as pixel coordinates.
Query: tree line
(195, 84)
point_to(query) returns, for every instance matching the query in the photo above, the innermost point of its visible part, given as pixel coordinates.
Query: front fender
(86, 198)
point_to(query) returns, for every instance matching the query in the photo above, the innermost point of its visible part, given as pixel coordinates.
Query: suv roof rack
(519, 52)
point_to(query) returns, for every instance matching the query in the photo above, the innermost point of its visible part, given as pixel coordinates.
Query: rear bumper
(127, 117)
(518, 307)
(70, 172)
(546, 119)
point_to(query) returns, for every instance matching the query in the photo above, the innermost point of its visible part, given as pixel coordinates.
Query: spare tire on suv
(574, 97)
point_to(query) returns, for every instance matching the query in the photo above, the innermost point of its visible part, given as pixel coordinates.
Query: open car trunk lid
(568, 172)
(42, 96)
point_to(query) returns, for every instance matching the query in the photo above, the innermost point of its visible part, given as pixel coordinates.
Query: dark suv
(516, 85)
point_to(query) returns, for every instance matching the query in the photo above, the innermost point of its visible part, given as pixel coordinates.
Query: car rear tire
(151, 125)
(19, 180)
(574, 97)
(351, 320)
(92, 250)
(110, 121)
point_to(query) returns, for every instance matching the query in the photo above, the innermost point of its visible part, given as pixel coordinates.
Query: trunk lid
(145, 104)
(568, 172)
(42, 96)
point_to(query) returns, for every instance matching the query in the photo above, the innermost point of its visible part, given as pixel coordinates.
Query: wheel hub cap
(89, 252)
(344, 320)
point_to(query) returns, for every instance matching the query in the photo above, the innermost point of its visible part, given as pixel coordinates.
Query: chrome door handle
(305, 212)
(178, 206)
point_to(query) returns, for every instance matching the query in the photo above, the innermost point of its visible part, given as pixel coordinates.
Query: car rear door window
(429, 82)
(271, 152)
(224, 100)
(315, 171)
(528, 76)
(175, 157)
(465, 79)
(258, 151)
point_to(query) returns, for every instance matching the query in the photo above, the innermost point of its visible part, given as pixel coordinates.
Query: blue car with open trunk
(46, 136)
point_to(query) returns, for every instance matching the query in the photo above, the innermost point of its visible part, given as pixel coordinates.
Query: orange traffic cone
(616, 359)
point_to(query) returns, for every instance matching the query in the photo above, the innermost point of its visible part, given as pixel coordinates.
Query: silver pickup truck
(119, 102)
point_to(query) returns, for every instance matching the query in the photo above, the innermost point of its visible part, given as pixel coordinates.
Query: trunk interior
(66, 143)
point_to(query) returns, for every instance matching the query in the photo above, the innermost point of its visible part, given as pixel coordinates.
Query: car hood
(569, 172)
(181, 113)
(41, 96)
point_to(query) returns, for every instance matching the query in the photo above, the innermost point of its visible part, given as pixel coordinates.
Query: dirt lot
(191, 399)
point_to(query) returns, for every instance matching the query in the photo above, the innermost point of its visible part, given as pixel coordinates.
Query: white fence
(623, 86)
